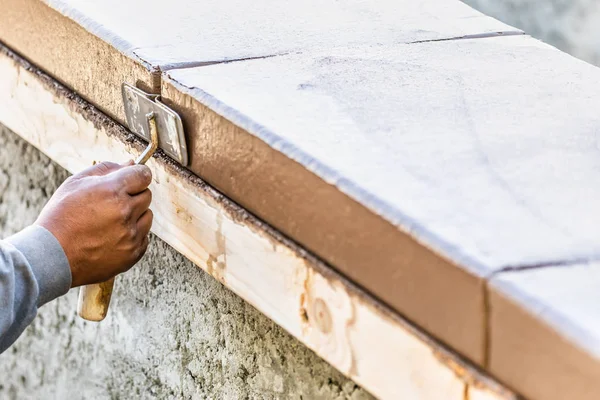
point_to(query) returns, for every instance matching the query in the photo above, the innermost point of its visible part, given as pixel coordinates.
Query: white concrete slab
(180, 32)
(544, 328)
(486, 149)
(566, 298)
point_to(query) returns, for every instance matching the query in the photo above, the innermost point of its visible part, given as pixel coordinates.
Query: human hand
(101, 218)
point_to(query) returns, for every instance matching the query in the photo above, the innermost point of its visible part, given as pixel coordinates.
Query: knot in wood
(322, 316)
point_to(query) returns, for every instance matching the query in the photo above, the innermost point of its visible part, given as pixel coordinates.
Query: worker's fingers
(100, 169)
(132, 179)
(142, 249)
(137, 254)
(140, 203)
(144, 224)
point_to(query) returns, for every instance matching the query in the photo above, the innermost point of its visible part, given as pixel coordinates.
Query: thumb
(100, 169)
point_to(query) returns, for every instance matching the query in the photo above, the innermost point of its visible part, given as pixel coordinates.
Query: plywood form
(545, 331)
(347, 328)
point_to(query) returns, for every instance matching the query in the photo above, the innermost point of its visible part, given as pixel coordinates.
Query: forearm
(33, 271)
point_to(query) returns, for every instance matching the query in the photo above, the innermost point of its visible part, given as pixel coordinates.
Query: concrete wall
(571, 25)
(173, 332)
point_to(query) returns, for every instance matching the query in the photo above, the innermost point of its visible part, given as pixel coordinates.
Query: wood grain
(94, 300)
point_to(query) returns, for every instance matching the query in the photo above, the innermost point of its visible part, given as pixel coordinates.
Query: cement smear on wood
(173, 332)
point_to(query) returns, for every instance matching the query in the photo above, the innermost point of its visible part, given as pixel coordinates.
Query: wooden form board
(418, 165)
(376, 348)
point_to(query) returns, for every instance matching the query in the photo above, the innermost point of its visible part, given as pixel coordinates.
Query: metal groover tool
(162, 127)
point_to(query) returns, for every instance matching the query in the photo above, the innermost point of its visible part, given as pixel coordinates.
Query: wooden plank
(478, 393)
(549, 320)
(347, 328)
(469, 146)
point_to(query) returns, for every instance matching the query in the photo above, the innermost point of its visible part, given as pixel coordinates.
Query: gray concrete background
(173, 332)
(571, 25)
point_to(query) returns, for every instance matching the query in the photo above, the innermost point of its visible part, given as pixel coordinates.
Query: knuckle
(132, 235)
(113, 191)
(150, 196)
(125, 182)
(144, 174)
(148, 219)
(72, 182)
(125, 212)
(139, 250)
(76, 180)
(144, 246)
(105, 167)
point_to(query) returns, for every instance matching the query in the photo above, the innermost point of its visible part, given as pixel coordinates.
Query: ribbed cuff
(47, 260)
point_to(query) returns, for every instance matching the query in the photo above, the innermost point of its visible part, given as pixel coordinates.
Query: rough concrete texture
(173, 332)
(570, 25)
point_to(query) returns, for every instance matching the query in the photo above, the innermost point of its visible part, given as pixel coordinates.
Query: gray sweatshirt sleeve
(33, 270)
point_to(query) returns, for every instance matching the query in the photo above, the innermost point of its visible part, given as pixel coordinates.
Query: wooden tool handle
(94, 300)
